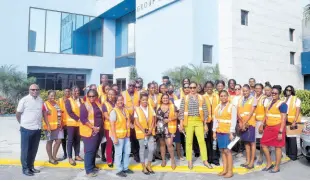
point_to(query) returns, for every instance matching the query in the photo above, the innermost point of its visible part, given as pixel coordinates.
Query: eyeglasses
(192, 87)
(91, 96)
(34, 89)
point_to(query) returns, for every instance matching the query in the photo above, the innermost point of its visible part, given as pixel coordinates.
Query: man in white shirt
(29, 115)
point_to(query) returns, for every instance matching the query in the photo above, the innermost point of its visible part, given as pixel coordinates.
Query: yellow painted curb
(138, 167)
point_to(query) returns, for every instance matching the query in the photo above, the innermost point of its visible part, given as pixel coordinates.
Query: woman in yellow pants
(193, 117)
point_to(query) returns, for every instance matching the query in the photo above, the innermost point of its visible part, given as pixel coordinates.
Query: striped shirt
(193, 108)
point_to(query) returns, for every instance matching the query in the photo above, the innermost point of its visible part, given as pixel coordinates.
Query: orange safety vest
(172, 125)
(174, 97)
(76, 110)
(121, 123)
(214, 100)
(260, 108)
(99, 90)
(129, 103)
(152, 102)
(146, 124)
(244, 110)
(200, 100)
(224, 119)
(103, 98)
(273, 115)
(106, 123)
(86, 131)
(52, 117)
(292, 111)
(62, 105)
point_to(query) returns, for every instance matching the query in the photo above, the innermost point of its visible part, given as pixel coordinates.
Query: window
(244, 17)
(121, 83)
(110, 78)
(292, 34)
(59, 32)
(207, 53)
(292, 58)
(58, 81)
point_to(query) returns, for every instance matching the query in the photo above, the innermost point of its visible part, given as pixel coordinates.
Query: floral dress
(161, 126)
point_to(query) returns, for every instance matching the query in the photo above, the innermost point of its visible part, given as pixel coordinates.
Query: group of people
(146, 122)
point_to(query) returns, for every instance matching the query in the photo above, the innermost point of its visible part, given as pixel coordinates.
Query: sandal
(208, 165)
(150, 170)
(146, 172)
(244, 164)
(72, 162)
(248, 167)
(78, 158)
(54, 162)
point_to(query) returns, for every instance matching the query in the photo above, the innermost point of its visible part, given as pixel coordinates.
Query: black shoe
(110, 165)
(197, 155)
(137, 159)
(121, 174)
(215, 163)
(128, 171)
(97, 156)
(96, 169)
(28, 172)
(33, 170)
(103, 159)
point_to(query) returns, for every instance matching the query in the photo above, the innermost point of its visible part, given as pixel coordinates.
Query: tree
(14, 84)
(133, 74)
(307, 13)
(197, 73)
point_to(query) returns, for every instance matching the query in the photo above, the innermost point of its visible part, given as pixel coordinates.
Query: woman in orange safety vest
(224, 123)
(91, 130)
(52, 124)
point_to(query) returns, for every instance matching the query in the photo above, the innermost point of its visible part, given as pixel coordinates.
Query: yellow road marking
(138, 167)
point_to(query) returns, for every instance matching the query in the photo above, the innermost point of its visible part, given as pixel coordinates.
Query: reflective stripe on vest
(244, 110)
(52, 117)
(224, 119)
(260, 109)
(273, 114)
(129, 103)
(292, 111)
(107, 125)
(85, 131)
(121, 123)
(76, 109)
(146, 124)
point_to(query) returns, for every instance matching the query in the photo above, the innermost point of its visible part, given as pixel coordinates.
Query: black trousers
(64, 141)
(134, 143)
(30, 140)
(291, 146)
(213, 155)
(183, 143)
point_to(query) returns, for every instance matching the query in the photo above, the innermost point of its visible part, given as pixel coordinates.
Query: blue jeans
(122, 152)
(30, 140)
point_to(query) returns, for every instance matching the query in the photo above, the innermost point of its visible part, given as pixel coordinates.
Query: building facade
(73, 42)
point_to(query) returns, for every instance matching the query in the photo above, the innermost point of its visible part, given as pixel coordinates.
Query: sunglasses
(34, 89)
(91, 96)
(192, 87)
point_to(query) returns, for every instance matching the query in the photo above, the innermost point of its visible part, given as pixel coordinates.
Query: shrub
(304, 96)
(43, 94)
(7, 107)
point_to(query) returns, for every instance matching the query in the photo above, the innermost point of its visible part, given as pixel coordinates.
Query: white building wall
(14, 38)
(262, 49)
(164, 39)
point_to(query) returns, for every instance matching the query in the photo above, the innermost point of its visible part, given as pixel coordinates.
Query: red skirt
(270, 136)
